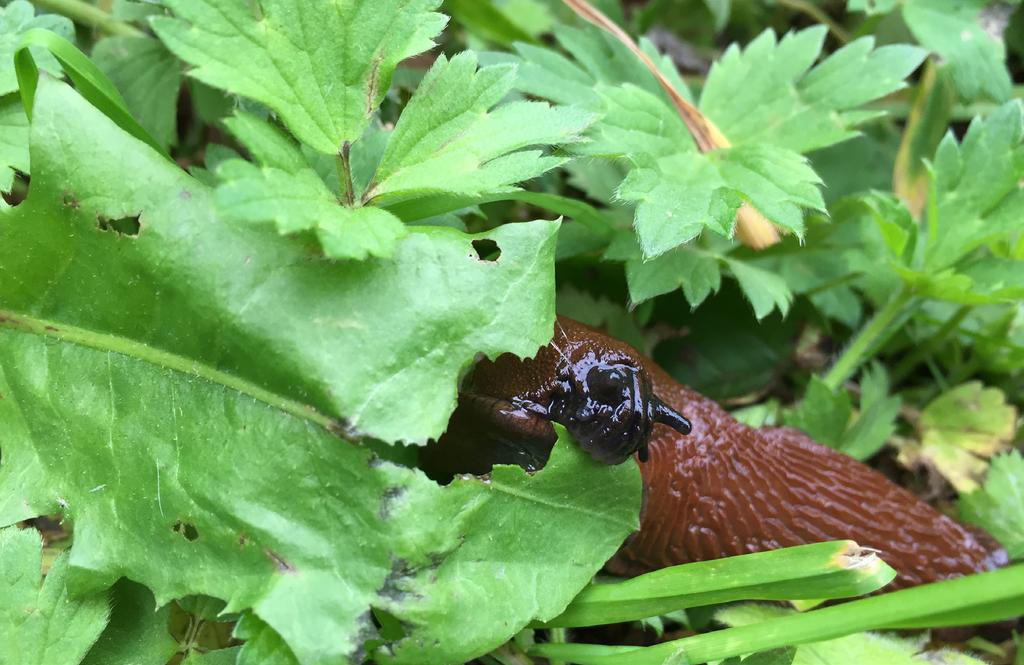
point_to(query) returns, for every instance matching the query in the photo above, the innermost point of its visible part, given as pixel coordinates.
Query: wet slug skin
(713, 487)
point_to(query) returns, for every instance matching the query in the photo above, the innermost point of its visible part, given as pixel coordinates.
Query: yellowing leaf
(960, 431)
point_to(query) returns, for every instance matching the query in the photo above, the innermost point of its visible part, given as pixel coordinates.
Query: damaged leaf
(960, 431)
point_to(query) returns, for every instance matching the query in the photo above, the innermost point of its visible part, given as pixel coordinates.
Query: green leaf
(448, 141)
(320, 536)
(768, 92)
(327, 335)
(952, 28)
(323, 68)
(960, 430)
(862, 648)
(138, 632)
(300, 201)
(148, 76)
(975, 194)
(766, 291)
(39, 623)
(822, 414)
(487, 20)
(510, 579)
(17, 18)
(13, 141)
(829, 418)
(998, 507)
(698, 275)
(269, 146)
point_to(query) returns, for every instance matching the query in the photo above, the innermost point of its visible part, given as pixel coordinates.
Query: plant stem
(876, 331)
(922, 351)
(345, 174)
(557, 636)
(90, 15)
(818, 15)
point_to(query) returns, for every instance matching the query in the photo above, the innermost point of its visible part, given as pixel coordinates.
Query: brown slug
(713, 487)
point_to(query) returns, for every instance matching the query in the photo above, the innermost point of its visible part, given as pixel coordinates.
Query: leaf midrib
(167, 360)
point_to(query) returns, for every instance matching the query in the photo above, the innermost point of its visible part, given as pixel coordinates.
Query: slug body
(713, 487)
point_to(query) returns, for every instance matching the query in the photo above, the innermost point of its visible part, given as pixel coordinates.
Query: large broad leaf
(13, 141)
(39, 623)
(377, 345)
(324, 67)
(193, 487)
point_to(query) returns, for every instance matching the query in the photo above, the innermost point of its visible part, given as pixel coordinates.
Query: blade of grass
(978, 598)
(90, 82)
(839, 569)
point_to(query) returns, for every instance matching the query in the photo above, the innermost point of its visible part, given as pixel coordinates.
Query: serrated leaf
(322, 67)
(17, 18)
(268, 145)
(328, 335)
(148, 77)
(998, 506)
(976, 196)
(861, 648)
(822, 414)
(138, 632)
(698, 274)
(768, 91)
(952, 29)
(765, 291)
(448, 140)
(960, 430)
(300, 201)
(322, 534)
(40, 624)
(789, 110)
(829, 417)
(13, 141)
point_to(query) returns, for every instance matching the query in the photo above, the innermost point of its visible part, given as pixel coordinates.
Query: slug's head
(610, 408)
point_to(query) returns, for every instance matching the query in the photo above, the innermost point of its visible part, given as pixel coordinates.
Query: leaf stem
(929, 347)
(159, 357)
(819, 15)
(557, 636)
(91, 16)
(345, 174)
(876, 331)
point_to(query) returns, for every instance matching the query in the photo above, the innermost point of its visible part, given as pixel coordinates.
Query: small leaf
(39, 623)
(768, 92)
(17, 18)
(960, 431)
(952, 29)
(698, 275)
(448, 140)
(301, 202)
(323, 67)
(138, 632)
(822, 414)
(765, 291)
(998, 507)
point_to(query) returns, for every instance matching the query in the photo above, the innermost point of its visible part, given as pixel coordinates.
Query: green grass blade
(90, 82)
(838, 569)
(978, 598)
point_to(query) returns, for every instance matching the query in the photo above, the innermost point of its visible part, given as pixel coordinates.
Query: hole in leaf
(187, 531)
(486, 249)
(125, 226)
(19, 190)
